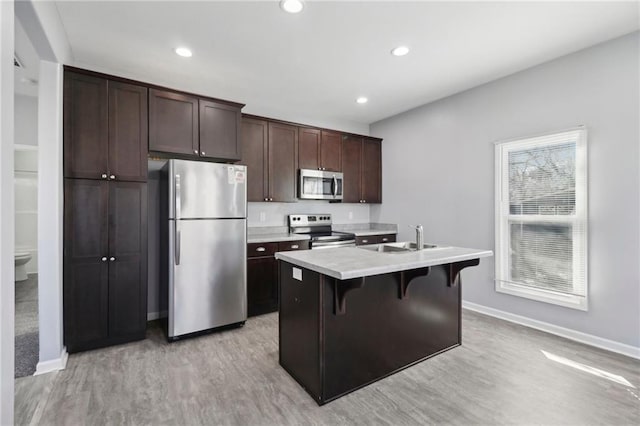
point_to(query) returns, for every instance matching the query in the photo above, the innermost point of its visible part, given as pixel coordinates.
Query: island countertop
(353, 262)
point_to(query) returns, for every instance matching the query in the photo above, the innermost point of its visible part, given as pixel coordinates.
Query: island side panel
(379, 333)
(299, 323)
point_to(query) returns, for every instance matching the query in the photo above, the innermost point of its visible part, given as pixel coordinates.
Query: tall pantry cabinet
(105, 211)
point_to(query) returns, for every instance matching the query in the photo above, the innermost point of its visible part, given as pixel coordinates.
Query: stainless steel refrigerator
(205, 245)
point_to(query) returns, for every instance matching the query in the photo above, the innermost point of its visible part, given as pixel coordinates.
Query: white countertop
(353, 262)
(267, 238)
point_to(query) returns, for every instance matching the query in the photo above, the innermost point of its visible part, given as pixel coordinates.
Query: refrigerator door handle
(178, 208)
(177, 250)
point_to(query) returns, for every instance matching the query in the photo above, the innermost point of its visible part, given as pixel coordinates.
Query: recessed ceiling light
(400, 51)
(291, 6)
(362, 100)
(184, 52)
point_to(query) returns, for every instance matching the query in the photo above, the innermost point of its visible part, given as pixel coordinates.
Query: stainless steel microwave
(320, 185)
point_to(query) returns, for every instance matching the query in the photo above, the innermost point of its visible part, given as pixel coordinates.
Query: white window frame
(579, 221)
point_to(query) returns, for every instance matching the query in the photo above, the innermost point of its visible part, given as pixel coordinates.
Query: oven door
(320, 185)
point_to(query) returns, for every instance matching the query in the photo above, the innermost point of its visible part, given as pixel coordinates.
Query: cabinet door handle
(112, 177)
(365, 241)
(203, 153)
(104, 176)
(111, 259)
(384, 240)
(195, 151)
(295, 246)
(104, 258)
(260, 249)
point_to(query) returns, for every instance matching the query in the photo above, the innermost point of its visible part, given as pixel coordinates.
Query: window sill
(561, 299)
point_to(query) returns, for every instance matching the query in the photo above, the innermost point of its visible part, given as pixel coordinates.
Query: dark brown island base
(340, 334)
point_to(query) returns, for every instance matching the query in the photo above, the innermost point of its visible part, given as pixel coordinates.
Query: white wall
(50, 199)
(7, 296)
(438, 169)
(26, 120)
(26, 204)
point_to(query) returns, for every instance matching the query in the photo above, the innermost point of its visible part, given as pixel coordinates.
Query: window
(541, 218)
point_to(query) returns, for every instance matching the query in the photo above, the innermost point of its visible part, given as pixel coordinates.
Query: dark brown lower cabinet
(105, 263)
(262, 274)
(375, 239)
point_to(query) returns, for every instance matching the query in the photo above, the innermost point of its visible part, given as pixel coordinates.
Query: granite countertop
(266, 234)
(364, 229)
(352, 262)
(275, 237)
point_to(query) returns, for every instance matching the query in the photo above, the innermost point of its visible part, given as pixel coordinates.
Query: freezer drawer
(201, 190)
(207, 274)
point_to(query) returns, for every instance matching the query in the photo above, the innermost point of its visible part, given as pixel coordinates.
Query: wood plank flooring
(498, 376)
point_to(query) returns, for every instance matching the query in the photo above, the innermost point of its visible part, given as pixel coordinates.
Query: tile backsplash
(275, 214)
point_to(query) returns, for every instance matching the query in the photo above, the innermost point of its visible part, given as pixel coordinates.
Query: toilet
(21, 259)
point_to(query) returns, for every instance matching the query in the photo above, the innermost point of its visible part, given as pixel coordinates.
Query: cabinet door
(371, 171)
(351, 168)
(254, 156)
(283, 162)
(219, 131)
(127, 259)
(173, 123)
(331, 151)
(128, 127)
(85, 126)
(308, 148)
(262, 285)
(85, 287)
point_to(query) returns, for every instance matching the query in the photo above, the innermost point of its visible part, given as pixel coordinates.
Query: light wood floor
(498, 376)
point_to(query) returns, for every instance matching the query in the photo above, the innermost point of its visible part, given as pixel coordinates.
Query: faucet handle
(415, 226)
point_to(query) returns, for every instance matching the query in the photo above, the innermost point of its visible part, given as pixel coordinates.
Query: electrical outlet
(350, 215)
(263, 217)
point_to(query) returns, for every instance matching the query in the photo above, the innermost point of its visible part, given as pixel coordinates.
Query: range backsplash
(275, 214)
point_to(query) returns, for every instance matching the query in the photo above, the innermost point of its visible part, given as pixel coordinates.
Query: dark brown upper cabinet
(319, 149)
(173, 123)
(352, 169)
(128, 126)
(371, 171)
(270, 152)
(255, 134)
(105, 129)
(86, 124)
(282, 162)
(219, 131)
(362, 168)
(192, 127)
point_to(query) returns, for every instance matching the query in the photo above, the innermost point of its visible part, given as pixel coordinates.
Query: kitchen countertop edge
(446, 255)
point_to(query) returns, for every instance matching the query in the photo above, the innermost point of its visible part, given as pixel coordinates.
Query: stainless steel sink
(385, 248)
(400, 247)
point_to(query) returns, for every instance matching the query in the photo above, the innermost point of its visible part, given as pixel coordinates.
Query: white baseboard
(156, 315)
(51, 365)
(587, 339)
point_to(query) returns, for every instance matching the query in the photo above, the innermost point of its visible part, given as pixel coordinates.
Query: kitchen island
(351, 316)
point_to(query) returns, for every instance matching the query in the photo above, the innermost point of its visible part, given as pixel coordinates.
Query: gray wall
(438, 170)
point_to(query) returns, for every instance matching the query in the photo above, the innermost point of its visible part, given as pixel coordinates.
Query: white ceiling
(315, 64)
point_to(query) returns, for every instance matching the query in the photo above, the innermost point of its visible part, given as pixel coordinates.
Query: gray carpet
(27, 348)
(26, 327)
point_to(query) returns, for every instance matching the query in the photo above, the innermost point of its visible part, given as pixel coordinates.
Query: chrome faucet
(419, 237)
